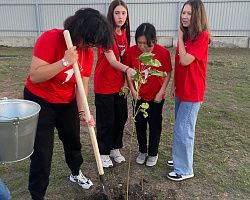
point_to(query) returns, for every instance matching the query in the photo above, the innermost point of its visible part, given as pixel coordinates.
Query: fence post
(38, 20)
(106, 7)
(178, 15)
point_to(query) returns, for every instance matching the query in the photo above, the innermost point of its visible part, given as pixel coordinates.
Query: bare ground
(219, 174)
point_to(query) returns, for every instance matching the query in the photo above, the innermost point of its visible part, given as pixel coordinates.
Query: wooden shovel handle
(85, 105)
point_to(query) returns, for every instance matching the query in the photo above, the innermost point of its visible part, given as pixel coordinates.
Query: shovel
(87, 114)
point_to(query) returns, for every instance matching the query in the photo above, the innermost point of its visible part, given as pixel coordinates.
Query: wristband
(126, 70)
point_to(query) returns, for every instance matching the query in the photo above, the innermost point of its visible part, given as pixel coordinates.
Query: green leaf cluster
(147, 59)
(123, 90)
(143, 109)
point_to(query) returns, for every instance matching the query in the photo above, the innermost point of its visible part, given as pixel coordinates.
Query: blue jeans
(183, 138)
(4, 191)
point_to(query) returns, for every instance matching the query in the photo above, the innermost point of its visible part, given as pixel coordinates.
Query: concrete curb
(168, 41)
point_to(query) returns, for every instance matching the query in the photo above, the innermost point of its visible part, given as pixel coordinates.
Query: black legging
(154, 120)
(111, 116)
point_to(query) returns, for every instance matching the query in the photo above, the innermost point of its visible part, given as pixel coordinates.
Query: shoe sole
(170, 164)
(180, 179)
(140, 163)
(119, 161)
(114, 157)
(107, 166)
(74, 181)
(151, 165)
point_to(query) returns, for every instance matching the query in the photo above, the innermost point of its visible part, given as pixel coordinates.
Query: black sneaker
(176, 177)
(170, 163)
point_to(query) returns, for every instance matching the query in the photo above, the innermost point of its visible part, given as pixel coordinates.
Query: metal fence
(32, 17)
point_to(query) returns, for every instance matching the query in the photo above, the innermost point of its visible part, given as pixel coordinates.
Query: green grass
(221, 159)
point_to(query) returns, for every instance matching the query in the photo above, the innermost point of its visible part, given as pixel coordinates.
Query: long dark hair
(87, 25)
(110, 17)
(198, 22)
(147, 30)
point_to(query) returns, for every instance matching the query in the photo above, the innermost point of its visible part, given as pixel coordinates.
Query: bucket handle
(15, 120)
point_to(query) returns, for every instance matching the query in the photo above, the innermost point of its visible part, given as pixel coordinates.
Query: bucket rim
(19, 101)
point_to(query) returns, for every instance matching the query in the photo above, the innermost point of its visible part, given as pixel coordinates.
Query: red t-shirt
(50, 47)
(190, 81)
(107, 79)
(149, 90)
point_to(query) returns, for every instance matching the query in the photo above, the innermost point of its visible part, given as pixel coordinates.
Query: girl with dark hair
(52, 84)
(110, 76)
(152, 92)
(188, 85)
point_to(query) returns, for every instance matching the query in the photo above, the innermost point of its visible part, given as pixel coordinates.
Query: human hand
(130, 72)
(91, 121)
(71, 55)
(126, 92)
(158, 97)
(172, 92)
(83, 118)
(180, 33)
(135, 95)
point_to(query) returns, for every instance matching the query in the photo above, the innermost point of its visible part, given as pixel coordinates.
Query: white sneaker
(151, 161)
(115, 153)
(106, 162)
(84, 182)
(176, 177)
(141, 158)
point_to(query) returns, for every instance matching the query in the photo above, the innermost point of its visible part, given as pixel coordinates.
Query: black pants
(111, 116)
(65, 119)
(154, 120)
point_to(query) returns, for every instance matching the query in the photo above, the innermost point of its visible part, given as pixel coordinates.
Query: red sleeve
(199, 47)
(46, 46)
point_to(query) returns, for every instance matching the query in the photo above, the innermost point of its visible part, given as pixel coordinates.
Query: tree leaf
(145, 114)
(145, 106)
(145, 57)
(158, 73)
(137, 76)
(153, 62)
(123, 90)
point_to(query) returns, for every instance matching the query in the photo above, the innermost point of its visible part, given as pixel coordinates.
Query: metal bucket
(18, 122)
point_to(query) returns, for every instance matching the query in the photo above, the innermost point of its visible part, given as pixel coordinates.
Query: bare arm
(91, 121)
(116, 64)
(172, 91)
(185, 58)
(159, 95)
(41, 71)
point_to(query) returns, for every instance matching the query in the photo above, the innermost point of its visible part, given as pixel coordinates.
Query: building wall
(21, 22)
